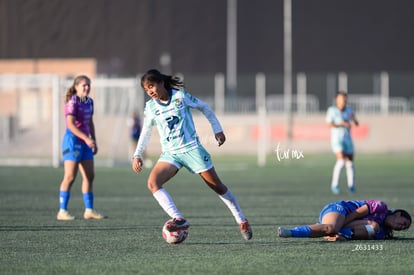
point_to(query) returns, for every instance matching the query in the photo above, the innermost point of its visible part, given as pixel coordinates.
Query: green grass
(286, 193)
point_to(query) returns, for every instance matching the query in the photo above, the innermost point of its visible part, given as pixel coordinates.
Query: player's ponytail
(170, 82)
(71, 91)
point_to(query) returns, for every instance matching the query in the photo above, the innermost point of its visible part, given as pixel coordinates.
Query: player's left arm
(93, 135)
(356, 230)
(354, 119)
(194, 102)
(364, 229)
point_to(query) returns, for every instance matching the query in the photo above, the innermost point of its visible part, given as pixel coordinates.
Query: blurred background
(269, 69)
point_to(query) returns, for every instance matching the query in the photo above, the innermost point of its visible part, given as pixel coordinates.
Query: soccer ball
(174, 237)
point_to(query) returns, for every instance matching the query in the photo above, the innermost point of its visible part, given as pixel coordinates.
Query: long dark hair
(389, 231)
(71, 91)
(170, 82)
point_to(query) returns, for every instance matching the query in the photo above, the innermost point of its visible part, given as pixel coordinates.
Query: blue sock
(64, 199)
(346, 232)
(301, 231)
(88, 200)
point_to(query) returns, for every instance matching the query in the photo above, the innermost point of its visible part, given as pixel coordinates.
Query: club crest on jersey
(178, 103)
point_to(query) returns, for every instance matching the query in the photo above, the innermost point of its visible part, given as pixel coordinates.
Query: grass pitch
(287, 193)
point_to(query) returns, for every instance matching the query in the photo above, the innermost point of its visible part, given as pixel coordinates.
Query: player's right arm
(71, 125)
(137, 164)
(142, 143)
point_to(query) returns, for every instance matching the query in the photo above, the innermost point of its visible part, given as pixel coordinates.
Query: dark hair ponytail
(170, 82)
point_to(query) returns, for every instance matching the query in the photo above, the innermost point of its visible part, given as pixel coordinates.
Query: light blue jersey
(174, 122)
(341, 139)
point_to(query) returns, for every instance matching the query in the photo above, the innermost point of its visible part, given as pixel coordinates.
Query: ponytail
(170, 82)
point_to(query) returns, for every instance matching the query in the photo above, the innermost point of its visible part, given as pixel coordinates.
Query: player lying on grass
(352, 219)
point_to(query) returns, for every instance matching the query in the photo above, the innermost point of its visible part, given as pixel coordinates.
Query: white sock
(337, 172)
(350, 173)
(167, 203)
(231, 201)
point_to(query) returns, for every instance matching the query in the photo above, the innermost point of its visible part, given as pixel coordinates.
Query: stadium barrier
(32, 122)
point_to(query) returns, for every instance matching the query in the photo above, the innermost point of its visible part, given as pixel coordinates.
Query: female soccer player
(169, 109)
(339, 118)
(347, 218)
(78, 147)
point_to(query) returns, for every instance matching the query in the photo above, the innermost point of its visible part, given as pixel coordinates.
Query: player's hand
(137, 165)
(95, 149)
(335, 238)
(347, 124)
(92, 144)
(221, 138)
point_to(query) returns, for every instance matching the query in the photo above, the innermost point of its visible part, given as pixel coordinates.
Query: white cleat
(63, 215)
(91, 214)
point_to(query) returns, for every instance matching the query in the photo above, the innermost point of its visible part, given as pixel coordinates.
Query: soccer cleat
(352, 190)
(176, 224)
(335, 190)
(63, 215)
(91, 214)
(284, 233)
(245, 230)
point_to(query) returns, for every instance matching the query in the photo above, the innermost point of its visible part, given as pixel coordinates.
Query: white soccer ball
(174, 237)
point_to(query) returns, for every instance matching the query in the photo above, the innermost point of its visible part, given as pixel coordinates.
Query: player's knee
(91, 177)
(69, 179)
(153, 186)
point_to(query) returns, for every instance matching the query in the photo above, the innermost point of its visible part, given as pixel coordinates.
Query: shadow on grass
(70, 228)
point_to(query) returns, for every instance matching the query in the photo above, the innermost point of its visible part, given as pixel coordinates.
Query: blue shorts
(196, 161)
(74, 149)
(332, 207)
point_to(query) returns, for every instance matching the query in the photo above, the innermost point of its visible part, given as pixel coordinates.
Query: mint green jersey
(341, 139)
(174, 122)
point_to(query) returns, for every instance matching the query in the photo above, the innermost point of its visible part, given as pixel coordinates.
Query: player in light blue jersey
(169, 109)
(339, 119)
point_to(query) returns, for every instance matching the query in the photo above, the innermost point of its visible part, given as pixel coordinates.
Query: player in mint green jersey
(339, 119)
(169, 109)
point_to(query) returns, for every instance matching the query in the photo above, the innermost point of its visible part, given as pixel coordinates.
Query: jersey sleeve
(70, 107)
(145, 133)
(377, 206)
(194, 102)
(329, 115)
